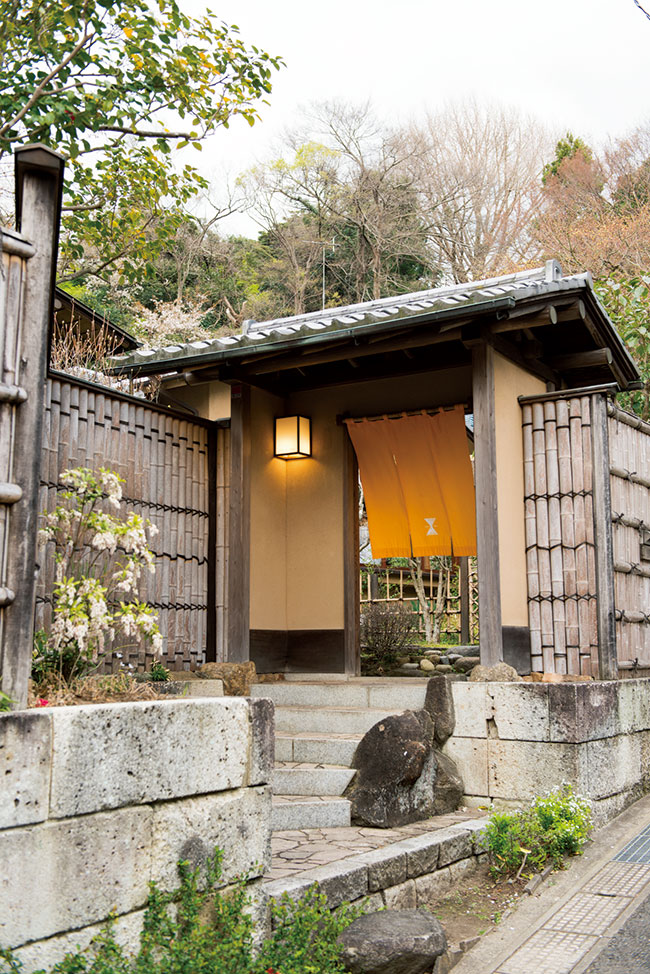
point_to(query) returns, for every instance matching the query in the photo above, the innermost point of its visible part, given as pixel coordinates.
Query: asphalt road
(628, 952)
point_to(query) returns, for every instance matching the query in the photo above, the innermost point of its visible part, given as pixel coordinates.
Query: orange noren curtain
(417, 483)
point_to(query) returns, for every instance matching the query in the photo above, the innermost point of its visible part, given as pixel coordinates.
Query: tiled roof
(371, 315)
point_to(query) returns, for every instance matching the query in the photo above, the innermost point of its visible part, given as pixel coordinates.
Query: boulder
(396, 772)
(500, 673)
(449, 786)
(466, 663)
(439, 704)
(237, 677)
(427, 665)
(393, 942)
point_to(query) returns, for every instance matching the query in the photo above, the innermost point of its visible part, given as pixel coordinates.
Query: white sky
(582, 65)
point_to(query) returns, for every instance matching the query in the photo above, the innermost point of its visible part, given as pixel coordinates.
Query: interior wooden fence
(629, 454)
(175, 470)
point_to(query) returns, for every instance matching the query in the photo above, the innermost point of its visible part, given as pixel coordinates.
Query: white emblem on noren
(431, 521)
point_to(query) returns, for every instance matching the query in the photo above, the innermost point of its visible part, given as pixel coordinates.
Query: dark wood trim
(487, 515)
(581, 360)
(607, 387)
(211, 634)
(351, 596)
(239, 534)
(602, 510)
(298, 650)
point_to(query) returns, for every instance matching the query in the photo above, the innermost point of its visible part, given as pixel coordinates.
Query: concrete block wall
(513, 741)
(98, 801)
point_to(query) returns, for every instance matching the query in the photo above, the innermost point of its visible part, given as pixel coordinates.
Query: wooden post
(602, 512)
(39, 183)
(351, 595)
(487, 516)
(463, 584)
(211, 628)
(240, 527)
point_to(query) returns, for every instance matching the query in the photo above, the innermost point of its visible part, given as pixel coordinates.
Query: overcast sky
(578, 64)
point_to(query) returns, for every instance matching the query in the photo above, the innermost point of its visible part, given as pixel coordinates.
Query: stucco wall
(511, 381)
(98, 801)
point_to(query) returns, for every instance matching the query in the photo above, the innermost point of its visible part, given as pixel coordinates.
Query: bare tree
(478, 174)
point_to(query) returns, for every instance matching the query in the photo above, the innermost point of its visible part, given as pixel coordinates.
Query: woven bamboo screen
(560, 536)
(629, 450)
(166, 464)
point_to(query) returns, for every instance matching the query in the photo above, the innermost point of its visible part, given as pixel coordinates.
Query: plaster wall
(90, 814)
(210, 399)
(511, 381)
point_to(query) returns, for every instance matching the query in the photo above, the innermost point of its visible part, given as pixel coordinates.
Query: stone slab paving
(298, 850)
(581, 924)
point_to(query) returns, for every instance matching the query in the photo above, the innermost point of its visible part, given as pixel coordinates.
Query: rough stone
(466, 663)
(262, 718)
(237, 820)
(397, 769)
(439, 704)
(386, 867)
(432, 887)
(500, 673)
(519, 712)
(393, 942)
(519, 770)
(422, 854)
(46, 953)
(25, 743)
(237, 677)
(340, 882)
(471, 709)
(58, 876)
(426, 665)
(109, 755)
(455, 844)
(444, 668)
(449, 786)
(401, 897)
(470, 754)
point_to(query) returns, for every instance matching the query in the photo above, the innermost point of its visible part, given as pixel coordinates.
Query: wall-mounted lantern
(292, 437)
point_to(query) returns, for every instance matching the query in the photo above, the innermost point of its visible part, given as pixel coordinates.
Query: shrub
(385, 630)
(555, 825)
(199, 929)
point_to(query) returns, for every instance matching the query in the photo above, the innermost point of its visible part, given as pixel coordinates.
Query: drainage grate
(638, 850)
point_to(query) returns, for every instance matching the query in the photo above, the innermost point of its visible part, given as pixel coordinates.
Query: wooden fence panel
(561, 567)
(629, 451)
(164, 459)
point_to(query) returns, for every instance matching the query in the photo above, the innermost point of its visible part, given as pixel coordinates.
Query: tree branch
(53, 73)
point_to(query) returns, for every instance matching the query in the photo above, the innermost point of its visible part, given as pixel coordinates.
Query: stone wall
(98, 801)
(513, 741)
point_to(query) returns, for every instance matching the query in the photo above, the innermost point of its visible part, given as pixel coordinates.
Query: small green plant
(556, 825)
(200, 929)
(5, 702)
(158, 673)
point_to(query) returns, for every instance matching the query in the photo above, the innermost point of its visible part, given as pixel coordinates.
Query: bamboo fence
(629, 448)
(559, 526)
(164, 459)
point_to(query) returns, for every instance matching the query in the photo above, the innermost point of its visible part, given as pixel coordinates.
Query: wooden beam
(530, 364)
(239, 532)
(581, 360)
(351, 557)
(487, 514)
(39, 184)
(602, 512)
(547, 316)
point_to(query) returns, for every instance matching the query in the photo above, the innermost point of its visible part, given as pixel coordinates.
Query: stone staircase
(319, 721)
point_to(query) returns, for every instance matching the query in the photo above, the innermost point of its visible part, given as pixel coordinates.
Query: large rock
(237, 677)
(396, 772)
(439, 704)
(449, 786)
(500, 673)
(393, 942)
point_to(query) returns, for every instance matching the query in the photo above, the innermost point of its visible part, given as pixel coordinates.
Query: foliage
(199, 929)
(116, 84)
(628, 305)
(385, 630)
(6, 702)
(99, 559)
(566, 148)
(555, 825)
(158, 673)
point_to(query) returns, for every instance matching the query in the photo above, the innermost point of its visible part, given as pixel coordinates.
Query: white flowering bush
(99, 557)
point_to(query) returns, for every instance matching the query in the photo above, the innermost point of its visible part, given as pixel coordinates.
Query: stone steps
(310, 779)
(319, 721)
